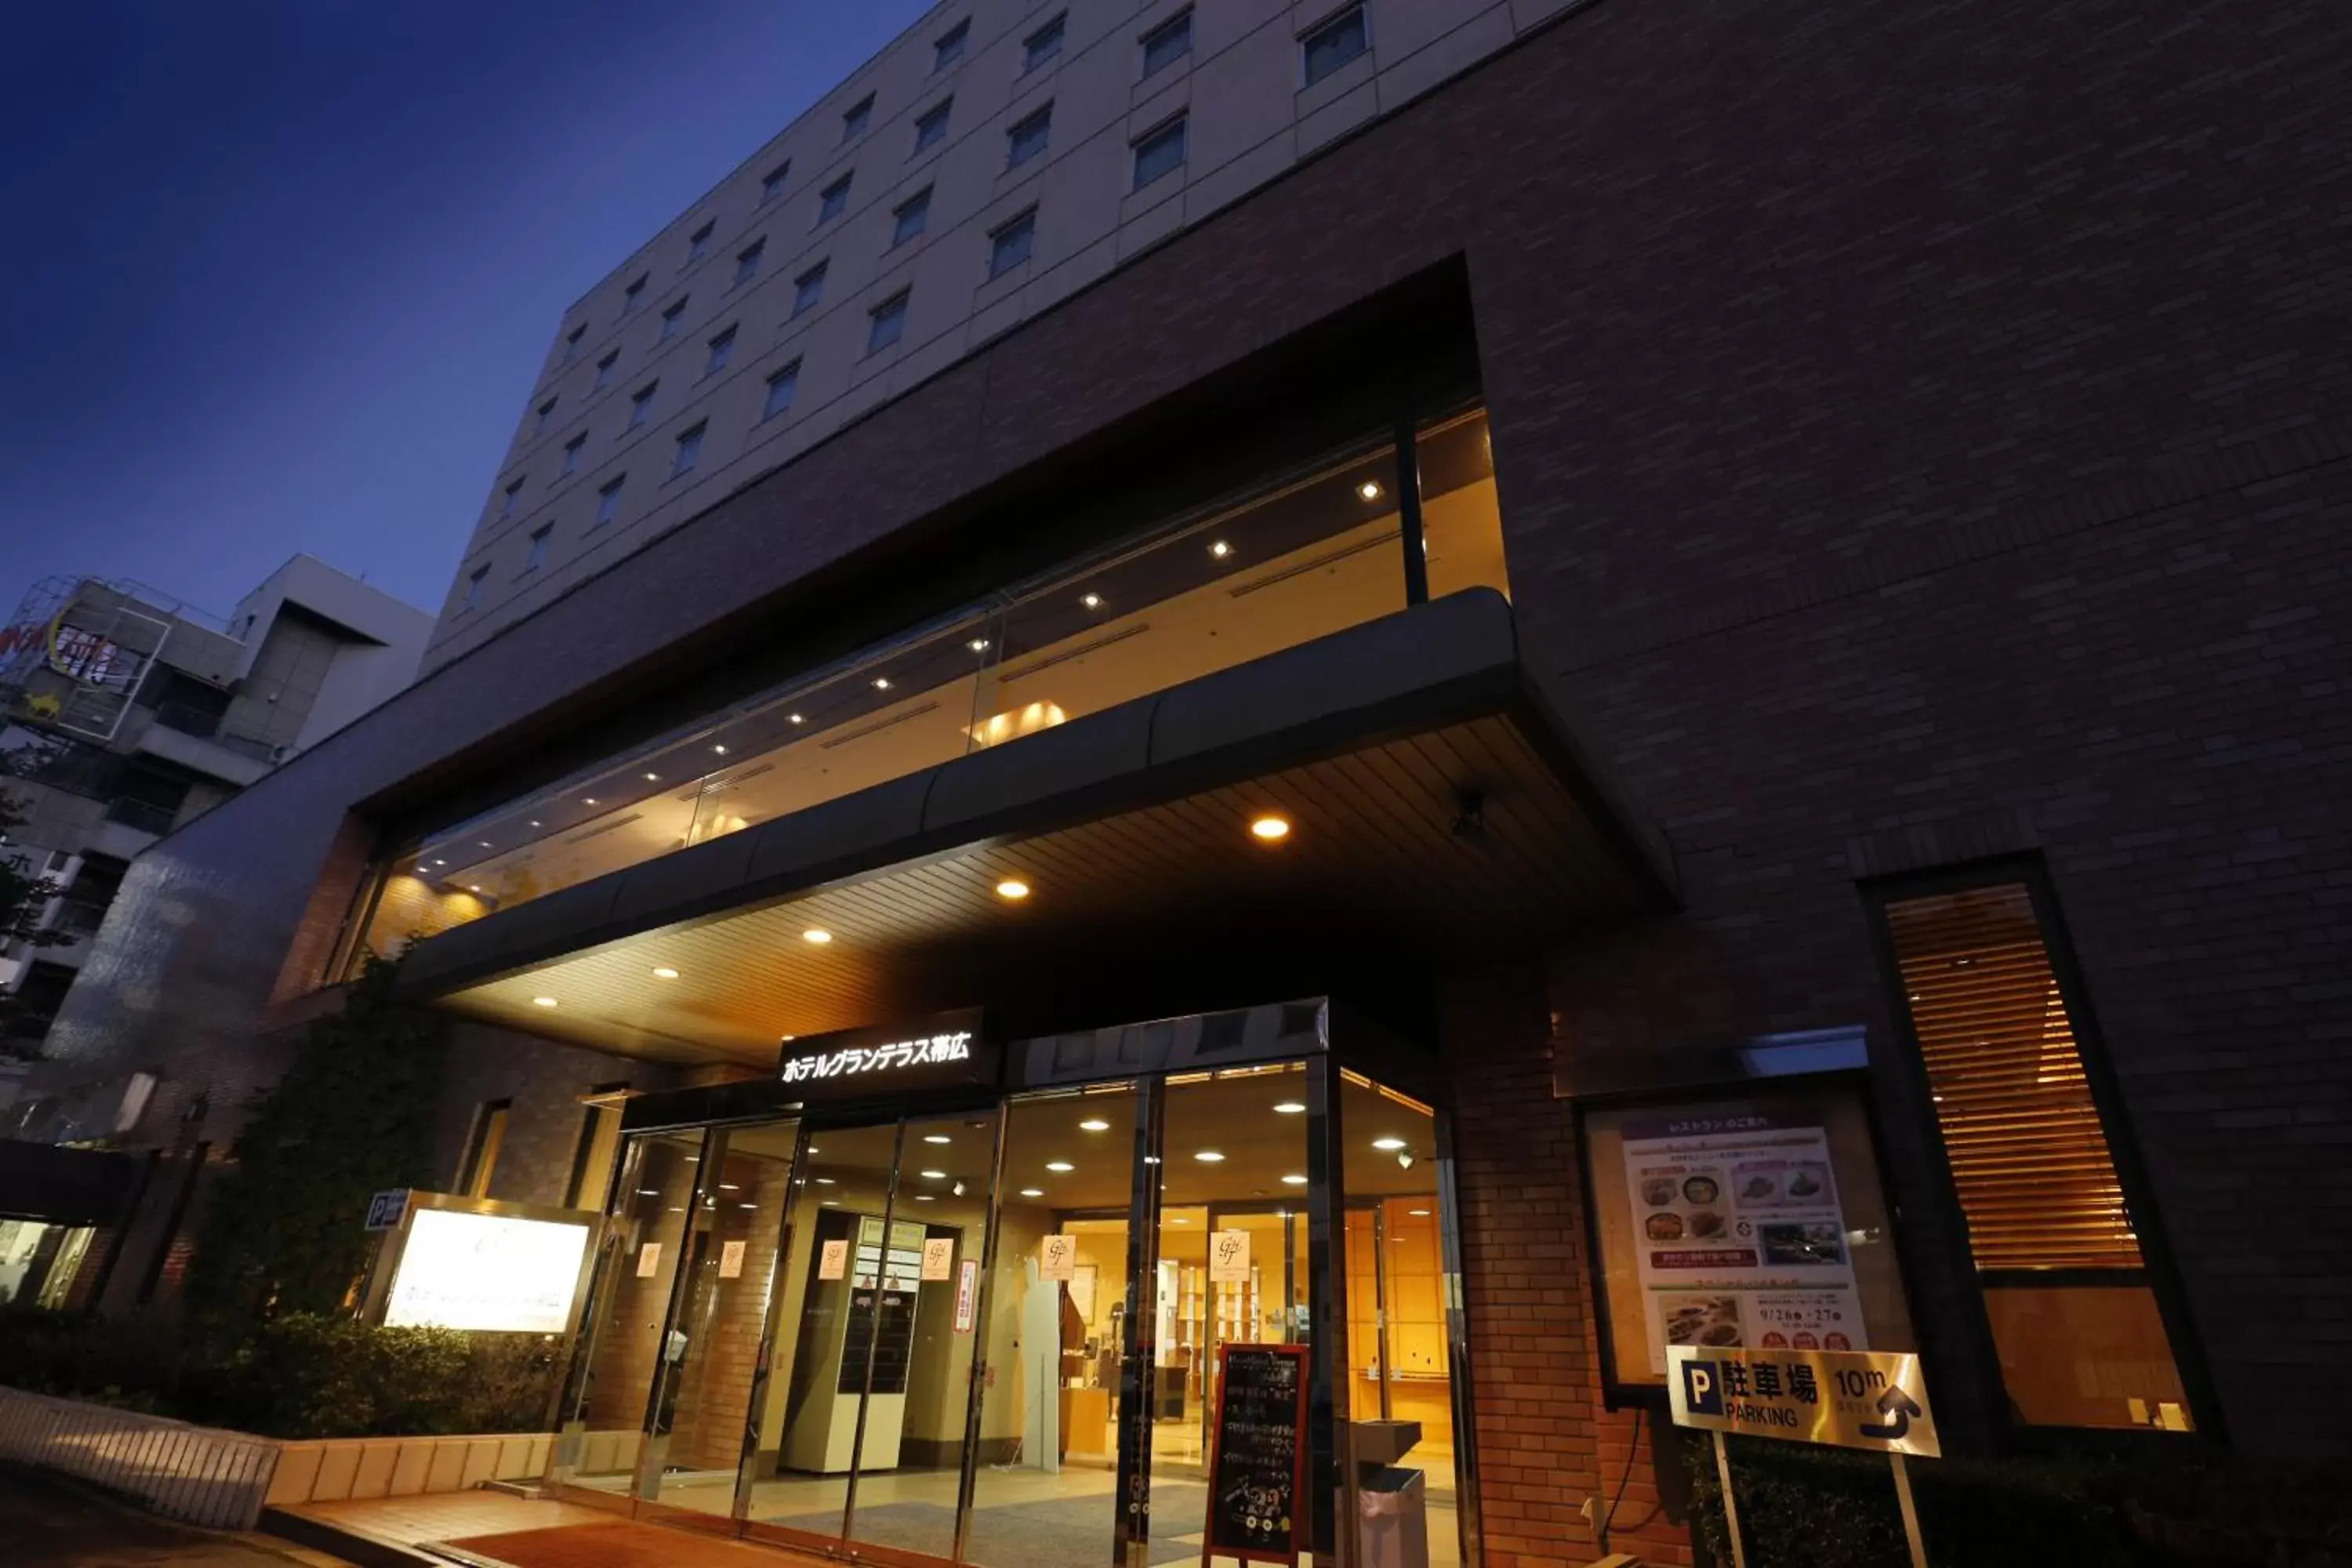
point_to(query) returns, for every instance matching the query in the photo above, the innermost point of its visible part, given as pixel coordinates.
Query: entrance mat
(1059, 1533)
(619, 1544)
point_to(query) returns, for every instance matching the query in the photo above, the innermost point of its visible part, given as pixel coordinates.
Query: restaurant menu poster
(1738, 1235)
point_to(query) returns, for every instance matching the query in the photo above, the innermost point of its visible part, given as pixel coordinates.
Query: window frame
(771, 184)
(2158, 1271)
(811, 283)
(747, 261)
(538, 541)
(895, 304)
(719, 348)
(789, 373)
(697, 244)
(857, 120)
(1179, 123)
(1331, 19)
(1014, 157)
(641, 406)
(1058, 25)
(1181, 20)
(571, 450)
(605, 369)
(1026, 215)
(633, 295)
(672, 318)
(918, 208)
(686, 454)
(608, 501)
(939, 115)
(948, 48)
(832, 201)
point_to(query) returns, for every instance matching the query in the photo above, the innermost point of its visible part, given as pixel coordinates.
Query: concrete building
(1674, 679)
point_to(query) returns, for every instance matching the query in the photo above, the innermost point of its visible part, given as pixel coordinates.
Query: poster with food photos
(1738, 1235)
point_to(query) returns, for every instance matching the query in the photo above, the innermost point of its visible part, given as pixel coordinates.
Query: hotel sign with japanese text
(950, 1050)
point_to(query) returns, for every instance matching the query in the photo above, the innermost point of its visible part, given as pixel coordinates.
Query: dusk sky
(279, 275)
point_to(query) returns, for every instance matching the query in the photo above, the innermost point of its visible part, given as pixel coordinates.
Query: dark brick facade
(1923, 432)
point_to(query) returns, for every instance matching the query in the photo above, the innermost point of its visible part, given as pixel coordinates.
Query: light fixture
(1418, 1214)
(663, 971)
(826, 1203)
(935, 1137)
(653, 778)
(730, 1187)
(978, 645)
(720, 749)
(1388, 1145)
(816, 935)
(440, 862)
(587, 800)
(1221, 550)
(1210, 1157)
(543, 1001)
(1179, 1219)
(1370, 490)
(1013, 888)
(793, 718)
(1404, 1159)
(935, 1175)
(1289, 1108)
(788, 1040)
(533, 822)
(1293, 1180)
(1271, 830)
(881, 683)
(485, 843)
(473, 887)
(826, 1182)
(1094, 1124)
(747, 1205)
(1060, 1167)
(925, 1198)
(427, 871)
(648, 1192)
(1092, 601)
(1032, 1192)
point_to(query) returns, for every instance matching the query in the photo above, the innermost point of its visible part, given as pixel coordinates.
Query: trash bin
(1393, 1518)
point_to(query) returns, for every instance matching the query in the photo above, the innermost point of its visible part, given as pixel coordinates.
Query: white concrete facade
(1250, 114)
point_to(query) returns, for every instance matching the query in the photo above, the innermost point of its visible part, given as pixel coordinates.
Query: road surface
(50, 1523)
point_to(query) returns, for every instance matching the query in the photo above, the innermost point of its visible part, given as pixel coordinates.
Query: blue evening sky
(276, 275)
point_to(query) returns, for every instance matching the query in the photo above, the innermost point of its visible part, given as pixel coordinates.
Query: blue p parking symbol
(1702, 1389)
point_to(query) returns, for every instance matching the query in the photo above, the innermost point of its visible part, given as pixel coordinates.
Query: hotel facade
(1606, 676)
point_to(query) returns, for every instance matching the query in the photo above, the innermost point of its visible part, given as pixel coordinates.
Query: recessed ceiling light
(719, 749)
(1032, 1192)
(665, 972)
(730, 1186)
(485, 843)
(935, 1175)
(826, 1203)
(935, 1137)
(1388, 1145)
(648, 1192)
(653, 778)
(978, 645)
(1221, 550)
(427, 870)
(789, 1039)
(543, 1001)
(825, 1182)
(1094, 1124)
(925, 1198)
(1179, 1219)
(881, 683)
(1418, 1214)
(1060, 1167)
(1092, 601)
(587, 800)
(534, 822)
(1290, 1108)
(1293, 1180)
(817, 935)
(747, 1205)
(1013, 888)
(795, 718)
(1272, 829)
(1210, 1157)
(473, 888)
(1370, 490)
(440, 862)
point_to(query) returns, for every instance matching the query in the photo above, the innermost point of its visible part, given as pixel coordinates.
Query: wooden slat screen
(2027, 1153)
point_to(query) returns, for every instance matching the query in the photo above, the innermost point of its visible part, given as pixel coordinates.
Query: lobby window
(931, 125)
(608, 499)
(771, 184)
(950, 46)
(857, 117)
(1028, 137)
(1044, 44)
(571, 450)
(634, 295)
(721, 348)
(887, 323)
(780, 387)
(1333, 43)
(538, 556)
(1168, 43)
(747, 262)
(672, 318)
(641, 404)
(2051, 1231)
(808, 288)
(832, 201)
(910, 217)
(544, 412)
(474, 581)
(1159, 153)
(571, 342)
(689, 450)
(605, 371)
(1010, 243)
(599, 1141)
(697, 244)
(508, 499)
(483, 1144)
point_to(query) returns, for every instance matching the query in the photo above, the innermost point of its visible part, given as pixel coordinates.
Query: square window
(857, 117)
(671, 319)
(689, 448)
(697, 244)
(1333, 43)
(1168, 43)
(771, 184)
(641, 404)
(1159, 153)
(721, 347)
(832, 201)
(1028, 137)
(506, 500)
(571, 450)
(888, 324)
(546, 411)
(571, 342)
(950, 46)
(780, 387)
(912, 216)
(608, 499)
(1043, 45)
(931, 125)
(605, 371)
(538, 556)
(747, 261)
(1010, 244)
(634, 295)
(808, 288)
(474, 582)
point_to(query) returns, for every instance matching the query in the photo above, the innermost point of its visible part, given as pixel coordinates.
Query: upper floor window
(608, 499)
(605, 371)
(572, 450)
(697, 244)
(911, 217)
(641, 404)
(857, 117)
(571, 342)
(689, 450)
(1010, 243)
(949, 47)
(672, 318)
(834, 200)
(771, 184)
(1160, 152)
(931, 125)
(887, 323)
(1044, 44)
(721, 347)
(808, 288)
(538, 556)
(634, 295)
(780, 387)
(507, 499)
(544, 412)
(1028, 137)
(474, 581)
(1333, 42)
(747, 261)
(1168, 43)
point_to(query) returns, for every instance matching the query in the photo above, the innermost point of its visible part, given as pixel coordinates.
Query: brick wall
(544, 1081)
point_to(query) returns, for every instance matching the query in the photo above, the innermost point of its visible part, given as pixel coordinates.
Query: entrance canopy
(1389, 800)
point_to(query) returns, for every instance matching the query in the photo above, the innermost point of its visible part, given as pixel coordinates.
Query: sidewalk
(47, 1523)
(495, 1530)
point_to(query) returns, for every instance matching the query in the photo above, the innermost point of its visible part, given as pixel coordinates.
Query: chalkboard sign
(1258, 1454)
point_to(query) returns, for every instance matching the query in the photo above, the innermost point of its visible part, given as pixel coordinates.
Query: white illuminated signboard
(854, 1061)
(488, 1272)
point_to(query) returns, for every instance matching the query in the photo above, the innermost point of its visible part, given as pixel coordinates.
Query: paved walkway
(50, 1523)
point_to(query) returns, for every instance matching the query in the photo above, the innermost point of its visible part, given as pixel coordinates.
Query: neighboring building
(125, 714)
(1688, 688)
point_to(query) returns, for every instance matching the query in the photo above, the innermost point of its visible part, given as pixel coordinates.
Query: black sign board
(1258, 1454)
(945, 1051)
